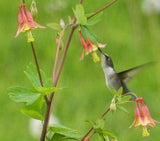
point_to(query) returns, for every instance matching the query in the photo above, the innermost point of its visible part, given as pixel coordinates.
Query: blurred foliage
(132, 39)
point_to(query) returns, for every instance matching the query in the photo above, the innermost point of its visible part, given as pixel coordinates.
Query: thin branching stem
(49, 107)
(58, 48)
(102, 9)
(56, 75)
(90, 130)
(38, 69)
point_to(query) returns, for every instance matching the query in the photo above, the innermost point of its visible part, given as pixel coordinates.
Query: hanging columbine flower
(88, 47)
(142, 117)
(26, 23)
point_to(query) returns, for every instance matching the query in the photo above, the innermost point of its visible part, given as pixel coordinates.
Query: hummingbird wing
(127, 75)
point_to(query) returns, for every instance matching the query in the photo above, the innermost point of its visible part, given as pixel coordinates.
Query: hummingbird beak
(102, 53)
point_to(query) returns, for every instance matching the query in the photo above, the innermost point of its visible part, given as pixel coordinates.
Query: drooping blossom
(26, 23)
(142, 117)
(88, 47)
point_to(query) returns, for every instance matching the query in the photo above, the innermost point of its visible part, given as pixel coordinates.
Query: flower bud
(34, 10)
(62, 24)
(113, 105)
(69, 19)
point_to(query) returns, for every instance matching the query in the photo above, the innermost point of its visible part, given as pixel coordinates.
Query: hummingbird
(118, 80)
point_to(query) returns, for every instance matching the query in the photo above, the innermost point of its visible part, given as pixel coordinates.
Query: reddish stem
(90, 130)
(49, 106)
(57, 53)
(56, 77)
(102, 9)
(38, 69)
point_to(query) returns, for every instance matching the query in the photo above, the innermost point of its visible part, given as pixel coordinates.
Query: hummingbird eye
(109, 61)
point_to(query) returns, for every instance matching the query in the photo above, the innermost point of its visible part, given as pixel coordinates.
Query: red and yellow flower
(26, 23)
(88, 47)
(142, 117)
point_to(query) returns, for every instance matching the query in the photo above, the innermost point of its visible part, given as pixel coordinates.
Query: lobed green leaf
(35, 110)
(99, 125)
(32, 75)
(32, 114)
(59, 132)
(20, 94)
(47, 91)
(80, 14)
(107, 133)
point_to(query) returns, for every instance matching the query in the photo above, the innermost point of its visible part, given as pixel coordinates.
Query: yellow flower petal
(145, 132)
(94, 47)
(26, 28)
(30, 36)
(95, 57)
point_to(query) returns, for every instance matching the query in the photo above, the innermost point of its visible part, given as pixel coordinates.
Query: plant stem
(91, 134)
(108, 109)
(64, 53)
(102, 9)
(49, 106)
(57, 53)
(56, 77)
(38, 69)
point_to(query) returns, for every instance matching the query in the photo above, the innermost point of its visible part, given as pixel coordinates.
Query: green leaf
(32, 75)
(36, 110)
(54, 26)
(87, 34)
(90, 121)
(19, 94)
(95, 19)
(47, 91)
(99, 125)
(57, 137)
(80, 14)
(119, 93)
(100, 137)
(32, 114)
(66, 132)
(125, 98)
(107, 133)
(106, 138)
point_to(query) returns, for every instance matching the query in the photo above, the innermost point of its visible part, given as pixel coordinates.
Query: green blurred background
(132, 38)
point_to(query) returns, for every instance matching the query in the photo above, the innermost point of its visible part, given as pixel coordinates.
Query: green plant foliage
(80, 14)
(32, 75)
(87, 34)
(35, 110)
(102, 135)
(32, 114)
(99, 125)
(33, 99)
(59, 132)
(47, 91)
(20, 94)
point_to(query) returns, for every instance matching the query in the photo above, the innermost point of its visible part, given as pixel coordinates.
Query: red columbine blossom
(88, 47)
(26, 23)
(142, 117)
